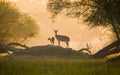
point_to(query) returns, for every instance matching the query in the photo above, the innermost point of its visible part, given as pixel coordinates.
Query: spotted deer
(52, 39)
(62, 38)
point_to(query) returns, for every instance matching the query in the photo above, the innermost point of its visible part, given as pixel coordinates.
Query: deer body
(62, 38)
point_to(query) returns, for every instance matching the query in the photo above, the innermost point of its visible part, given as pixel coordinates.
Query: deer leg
(67, 45)
(59, 43)
(52, 42)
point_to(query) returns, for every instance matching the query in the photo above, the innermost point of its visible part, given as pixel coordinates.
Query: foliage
(25, 28)
(97, 11)
(15, 25)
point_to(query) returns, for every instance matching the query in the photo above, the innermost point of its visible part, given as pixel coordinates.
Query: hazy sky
(79, 33)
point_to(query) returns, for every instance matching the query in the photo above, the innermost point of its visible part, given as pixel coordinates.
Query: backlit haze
(79, 33)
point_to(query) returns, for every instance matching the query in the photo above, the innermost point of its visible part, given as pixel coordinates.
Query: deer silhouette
(52, 39)
(62, 38)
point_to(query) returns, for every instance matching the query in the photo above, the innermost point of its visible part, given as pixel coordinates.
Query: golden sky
(79, 33)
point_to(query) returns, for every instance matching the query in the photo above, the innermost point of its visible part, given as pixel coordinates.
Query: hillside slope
(53, 51)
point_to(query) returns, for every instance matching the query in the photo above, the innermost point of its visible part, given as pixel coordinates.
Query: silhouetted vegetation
(108, 50)
(15, 26)
(88, 49)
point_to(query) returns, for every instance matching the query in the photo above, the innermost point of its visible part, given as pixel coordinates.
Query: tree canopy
(15, 25)
(95, 12)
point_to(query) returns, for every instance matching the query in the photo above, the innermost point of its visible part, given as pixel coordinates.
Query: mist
(79, 32)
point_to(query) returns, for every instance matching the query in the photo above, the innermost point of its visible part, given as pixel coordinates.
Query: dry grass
(29, 65)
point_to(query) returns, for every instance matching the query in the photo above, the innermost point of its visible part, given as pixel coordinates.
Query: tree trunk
(117, 34)
(18, 44)
(5, 48)
(115, 30)
(110, 49)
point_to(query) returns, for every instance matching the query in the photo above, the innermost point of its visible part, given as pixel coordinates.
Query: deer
(88, 48)
(62, 38)
(52, 39)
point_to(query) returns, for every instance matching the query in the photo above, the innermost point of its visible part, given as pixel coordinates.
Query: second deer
(52, 39)
(62, 38)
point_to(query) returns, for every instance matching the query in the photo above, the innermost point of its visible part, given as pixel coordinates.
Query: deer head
(49, 38)
(56, 31)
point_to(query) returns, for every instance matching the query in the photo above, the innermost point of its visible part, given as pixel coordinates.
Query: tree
(25, 28)
(15, 25)
(95, 12)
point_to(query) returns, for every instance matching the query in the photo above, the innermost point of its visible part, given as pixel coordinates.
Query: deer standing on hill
(52, 39)
(62, 38)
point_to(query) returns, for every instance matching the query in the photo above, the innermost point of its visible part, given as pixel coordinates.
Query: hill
(52, 51)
